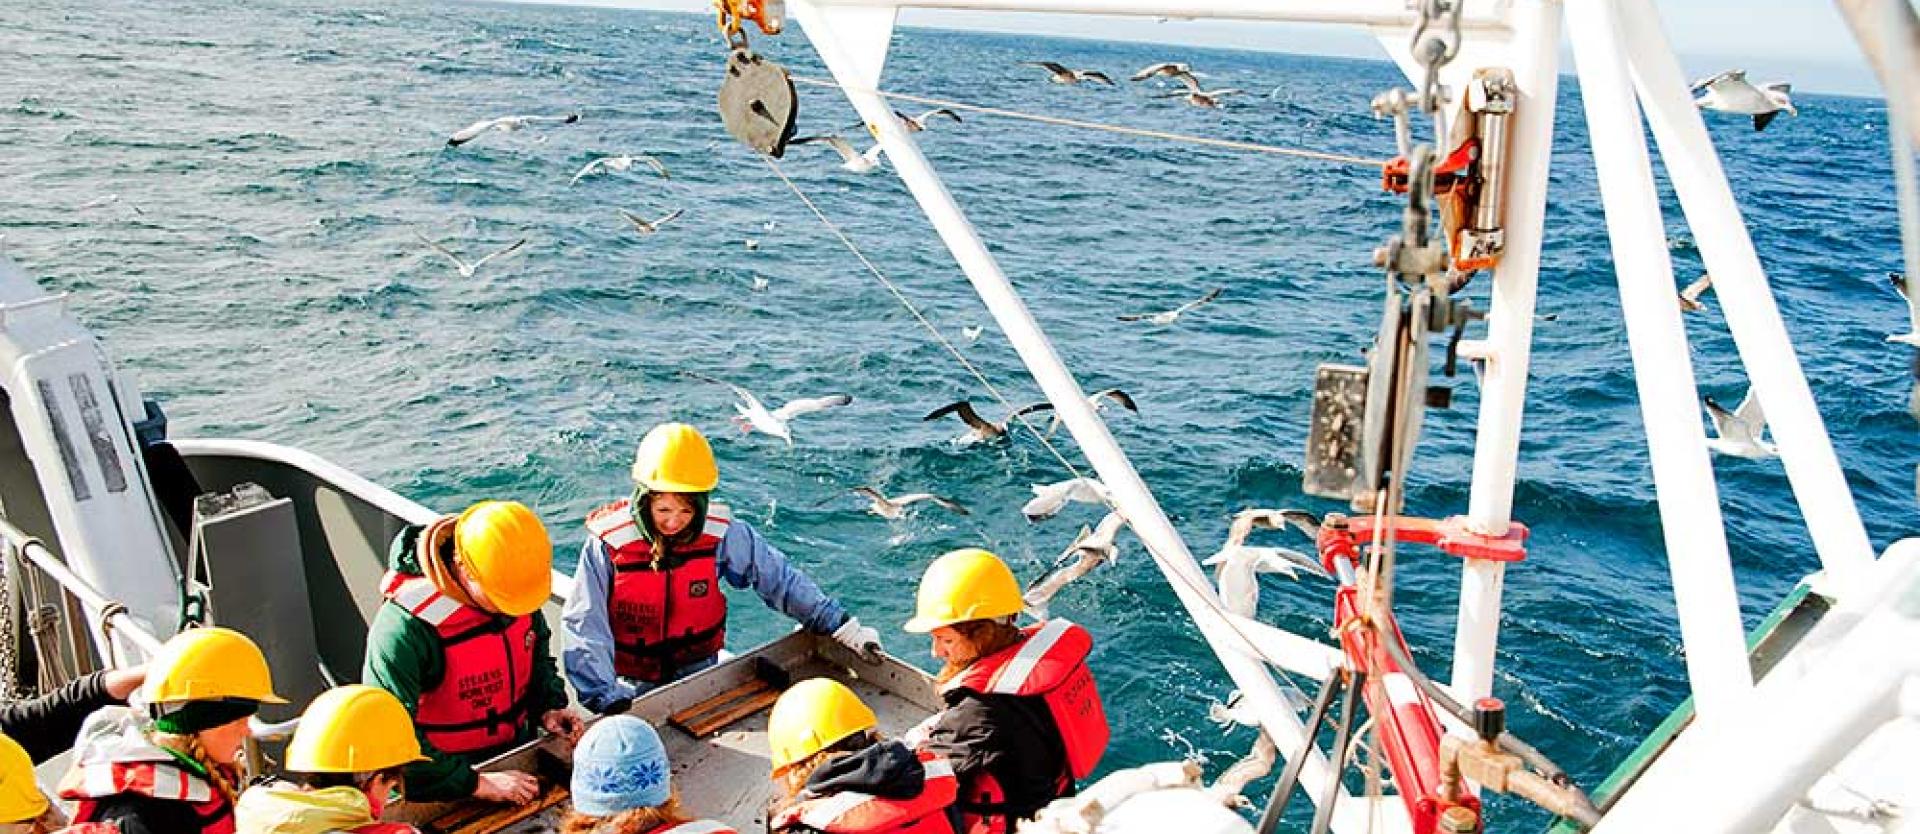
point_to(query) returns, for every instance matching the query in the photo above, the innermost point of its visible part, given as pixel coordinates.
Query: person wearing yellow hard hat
(346, 759)
(173, 768)
(1023, 719)
(646, 607)
(461, 642)
(838, 776)
(24, 809)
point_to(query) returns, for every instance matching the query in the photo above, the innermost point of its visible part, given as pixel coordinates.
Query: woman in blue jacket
(646, 607)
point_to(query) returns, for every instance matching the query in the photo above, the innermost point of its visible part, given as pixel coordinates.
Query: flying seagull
(980, 428)
(1170, 316)
(620, 163)
(753, 415)
(916, 124)
(506, 124)
(1731, 92)
(1201, 98)
(972, 332)
(892, 508)
(1093, 547)
(1738, 431)
(1168, 69)
(647, 227)
(1238, 563)
(859, 162)
(1690, 297)
(1912, 336)
(1059, 74)
(1099, 400)
(1050, 499)
(467, 269)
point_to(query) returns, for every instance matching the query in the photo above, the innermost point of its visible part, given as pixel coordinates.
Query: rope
(1229, 144)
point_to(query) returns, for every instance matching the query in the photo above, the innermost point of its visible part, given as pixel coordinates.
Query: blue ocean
(234, 194)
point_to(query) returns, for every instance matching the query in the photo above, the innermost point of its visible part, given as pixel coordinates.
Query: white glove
(862, 640)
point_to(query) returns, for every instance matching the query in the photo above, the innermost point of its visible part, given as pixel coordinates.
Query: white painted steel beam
(1395, 13)
(839, 38)
(1703, 586)
(1740, 287)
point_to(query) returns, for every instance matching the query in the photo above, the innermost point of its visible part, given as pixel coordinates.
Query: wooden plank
(701, 719)
(491, 817)
(717, 722)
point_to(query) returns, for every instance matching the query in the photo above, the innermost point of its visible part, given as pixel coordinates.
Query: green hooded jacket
(404, 657)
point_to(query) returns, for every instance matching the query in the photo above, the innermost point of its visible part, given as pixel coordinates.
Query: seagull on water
(1099, 400)
(1050, 499)
(620, 163)
(1731, 92)
(859, 162)
(1173, 315)
(467, 269)
(917, 124)
(108, 200)
(972, 332)
(1738, 432)
(1201, 98)
(893, 508)
(1690, 297)
(647, 227)
(981, 429)
(753, 415)
(1093, 547)
(506, 124)
(1060, 74)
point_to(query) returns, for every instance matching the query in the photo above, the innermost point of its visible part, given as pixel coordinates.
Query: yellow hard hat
(811, 716)
(675, 457)
(20, 796)
(206, 664)
(353, 729)
(504, 548)
(965, 584)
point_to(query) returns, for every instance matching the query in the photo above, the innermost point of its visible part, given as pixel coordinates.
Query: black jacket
(137, 814)
(1012, 737)
(46, 725)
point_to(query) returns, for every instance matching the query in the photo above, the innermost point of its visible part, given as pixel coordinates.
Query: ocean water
(260, 272)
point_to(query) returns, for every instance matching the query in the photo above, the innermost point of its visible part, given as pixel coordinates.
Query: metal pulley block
(757, 103)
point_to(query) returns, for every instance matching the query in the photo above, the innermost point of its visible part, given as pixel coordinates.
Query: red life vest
(852, 812)
(385, 828)
(89, 784)
(664, 613)
(1051, 664)
(480, 700)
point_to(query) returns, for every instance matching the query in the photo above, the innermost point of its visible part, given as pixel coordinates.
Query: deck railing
(71, 627)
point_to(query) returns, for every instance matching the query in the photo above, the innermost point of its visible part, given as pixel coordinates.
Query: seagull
(917, 124)
(1738, 431)
(972, 332)
(108, 200)
(752, 244)
(506, 124)
(1174, 314)
(1168, 69)
(859, 162)
(620, 163)
(760, 283)
(1731, 92)
(647, 227)
(1238, 563)
(1093, 547)
(753, 415)
(1050, 499)
(1690, 297)
(1912, 336)
(1062, 75)
(981, 429)
(467, 269)
(1201, 98)
(1099, 400)
(892, 508)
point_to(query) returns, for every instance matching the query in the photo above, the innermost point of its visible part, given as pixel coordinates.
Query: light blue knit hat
(618, 766)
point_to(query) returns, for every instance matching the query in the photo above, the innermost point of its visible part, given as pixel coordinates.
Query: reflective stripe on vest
(1051, 663)
(158, 780)
(695, 827)
(665, 614)
(480, 699)
(853, 812)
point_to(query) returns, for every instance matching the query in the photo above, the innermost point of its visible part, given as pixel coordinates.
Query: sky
(1803, 42)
